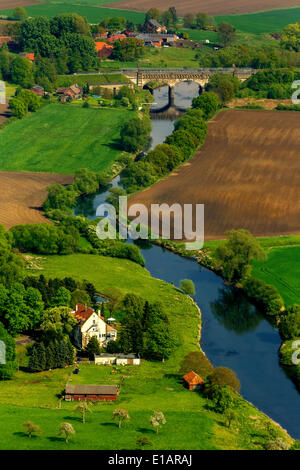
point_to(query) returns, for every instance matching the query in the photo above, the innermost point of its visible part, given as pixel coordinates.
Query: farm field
(246, 174)
(22, 195)
(92, 13)
(212, 7)
(16, 3)
(281, 269)
(191, 422)
(61, 138)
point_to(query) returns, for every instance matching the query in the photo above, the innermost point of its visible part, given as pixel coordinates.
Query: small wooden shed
(193, 381)
(91, 392)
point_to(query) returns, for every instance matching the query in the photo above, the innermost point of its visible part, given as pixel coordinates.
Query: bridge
(172, 77)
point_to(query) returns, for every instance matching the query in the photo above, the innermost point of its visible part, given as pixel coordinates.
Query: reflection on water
(234, 312)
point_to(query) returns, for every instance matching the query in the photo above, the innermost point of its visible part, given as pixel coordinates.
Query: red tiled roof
(116, 37)
(193, 379)
(82, 312)
(102, 45)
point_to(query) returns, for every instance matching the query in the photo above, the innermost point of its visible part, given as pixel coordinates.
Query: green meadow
(60, 139)
(262, 22)
(281, 269)
(92, 13)
(152, 386)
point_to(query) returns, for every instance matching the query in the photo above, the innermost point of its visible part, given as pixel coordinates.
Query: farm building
(27, 55)
(38, 90)
(91, 392)
(193, 381)
(103, 49)
(116, 37)
(153, 26)
(73, 92)
(91, 323)
(118, 359)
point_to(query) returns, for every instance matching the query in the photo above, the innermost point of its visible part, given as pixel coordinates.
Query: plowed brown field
(212, 7)
(247, 174)
(8, 4)
(22, 195)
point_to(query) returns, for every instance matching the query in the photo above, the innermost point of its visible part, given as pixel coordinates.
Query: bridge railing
(191, 70)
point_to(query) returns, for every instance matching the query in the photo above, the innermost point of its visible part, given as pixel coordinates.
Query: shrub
(196, 361)
(265, 296)
(289, 325)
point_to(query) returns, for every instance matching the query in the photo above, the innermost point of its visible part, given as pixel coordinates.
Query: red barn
(91, 392)
(193, 380)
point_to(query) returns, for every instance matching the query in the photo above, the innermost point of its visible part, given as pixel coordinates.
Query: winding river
(234, 333)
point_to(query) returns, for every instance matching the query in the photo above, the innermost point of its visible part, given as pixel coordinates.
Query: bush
(289, 325)
(223, 376)
(208, 102)
(196, 361)
(265, 296)
(135, 134)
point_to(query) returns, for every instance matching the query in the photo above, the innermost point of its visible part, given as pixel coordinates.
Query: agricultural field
(246, 174)
(191, 422)
(92, 13)
(22, 195)
(61, 138)
(16, 3)
(212, 7)
(281, 269)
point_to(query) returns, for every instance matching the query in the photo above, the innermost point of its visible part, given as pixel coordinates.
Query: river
(234, 333)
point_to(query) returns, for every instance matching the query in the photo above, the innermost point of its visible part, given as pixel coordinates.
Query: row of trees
(189, 133)
(145, 329)
(54, 355)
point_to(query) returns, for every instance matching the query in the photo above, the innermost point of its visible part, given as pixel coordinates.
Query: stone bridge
(172, 77)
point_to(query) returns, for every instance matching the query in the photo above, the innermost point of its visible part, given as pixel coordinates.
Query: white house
(118, 359)
(91, 323)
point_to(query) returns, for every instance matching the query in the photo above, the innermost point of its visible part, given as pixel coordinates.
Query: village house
(73, 92)
(157, 40)
(91, 323)
(117, 37)
(103, 49)
(153, 26)
(193, 381)
(91, 392)
(27, 55)
(117, 359)
(38, 90)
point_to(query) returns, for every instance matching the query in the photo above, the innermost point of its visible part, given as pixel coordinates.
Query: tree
(19, 13)
(18, 108)
(37, 358)
(22, 72)
(159, 342)
(83, 408)
(235, 256)
(143, 441)
(152, 14)
(62, 297)
(135, 134)
(222, 397)
(187, 286)
(128, 49)
(57, 322)
(208, 102)
(226, 34)
(31, 428)
(80, 296)
(121, 415)
(198, 362)
(188, 20)
(230, 416)
(289, 325)
(223, 376)
(290, 38)
(93, 347)
(277, 444)
(157, 420)
(67, 430)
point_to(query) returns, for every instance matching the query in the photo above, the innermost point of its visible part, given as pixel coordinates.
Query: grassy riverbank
(191, 421)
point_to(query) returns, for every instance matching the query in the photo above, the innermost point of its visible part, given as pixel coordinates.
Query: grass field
(281, 269)
(191, 422)
(262, 22)
(92, 13)
(61, 138)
